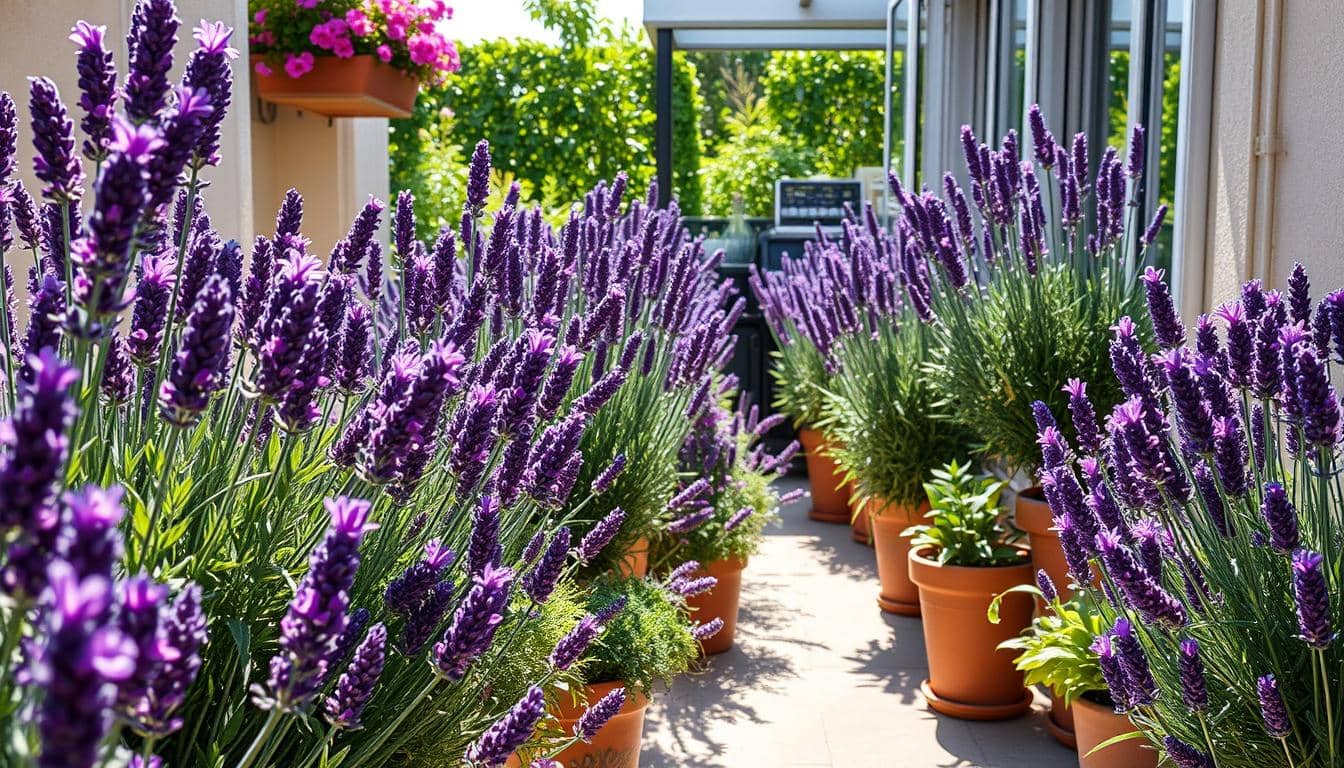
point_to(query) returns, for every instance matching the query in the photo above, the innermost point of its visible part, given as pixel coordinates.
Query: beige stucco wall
(334, 163)
(1307, 205)
(33, 42)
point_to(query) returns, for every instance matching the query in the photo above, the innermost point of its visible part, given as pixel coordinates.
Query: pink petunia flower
(384, 53)
(424, 49)
(298, 65)
(259, 17)
(264, 69)
(343, 48)
(307, 3)
(360, 23)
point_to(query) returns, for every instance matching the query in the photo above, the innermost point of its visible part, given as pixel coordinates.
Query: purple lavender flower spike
(1321, 329)
(599, 714)
(500, 740)
(138, 611)
(1194, 691)
(474, 623)
(118, 384)
(1141, 589)
(540, 582)
(288, 321)
(1280, 517)
(478, 176)
(1112, 672)
(1272, 709)
(9, 144)
(483, 549)
(601, 534)
(1213, 500)
(1193, 417)
(199, 263)
(151, 39)
(1258, 434)
(572, 645)
(54, 162)
(182, 634)
(355, 360)
(1268, 366)
(611, 610)
(689, 522)
(181, 127)
(355, 686)
(89, 541)
(1047, 586)
(1084, 417)
(316, 618)
(208, 70)
(1312, 596)
(152, 295)
(1166, 323)
(474, 435)
(1185, 756)
(1317, 401)
(1138, 676)
(1154, 229)
(1299, 294)
(97, 86)
(567, 360)
(78, 660)
(600, 393)
(603, 482)
(739, 517)
(198, 368)
(289, 218)
(403, 225)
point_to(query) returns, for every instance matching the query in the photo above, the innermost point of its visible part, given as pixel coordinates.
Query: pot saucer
(898, 607)
(965, 711)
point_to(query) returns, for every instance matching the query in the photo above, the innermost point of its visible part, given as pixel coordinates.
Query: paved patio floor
(820, 677)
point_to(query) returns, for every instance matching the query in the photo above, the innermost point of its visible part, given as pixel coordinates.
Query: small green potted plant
(725, 502)
(960, 560)
(1059, 650)
(643, 636)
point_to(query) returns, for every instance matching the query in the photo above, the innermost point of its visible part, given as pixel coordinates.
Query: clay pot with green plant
(723, 505)
(960, 560)
(644, 636)
(1058, 650)
(894, 431)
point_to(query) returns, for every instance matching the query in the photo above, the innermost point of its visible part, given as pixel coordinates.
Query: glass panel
(1163, 140)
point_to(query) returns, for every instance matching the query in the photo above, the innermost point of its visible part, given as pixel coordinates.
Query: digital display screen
(803, 202)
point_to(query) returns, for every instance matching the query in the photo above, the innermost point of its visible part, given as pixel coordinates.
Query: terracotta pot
(721, 602)
(1060, 722)
(969, 677)
(360, 86)
(1032, 514)
(1095, 723)
(830, 493)
(617, 745)
(860, 522)
(899, 594)
(635, 564)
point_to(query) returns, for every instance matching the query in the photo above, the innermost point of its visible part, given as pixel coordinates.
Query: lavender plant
(1025, 284)
(1210, 506)
(725, 499)
(284, 516)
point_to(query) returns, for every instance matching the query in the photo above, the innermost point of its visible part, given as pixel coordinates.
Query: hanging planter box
(360, 86)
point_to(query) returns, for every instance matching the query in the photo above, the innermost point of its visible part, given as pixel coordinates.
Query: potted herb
(790, 300)
(725, 504)
(645, 637)
(1025, 299)
(349, 58)
(1060, 650)
(960, 560)
(1215, 527)
(891, 421)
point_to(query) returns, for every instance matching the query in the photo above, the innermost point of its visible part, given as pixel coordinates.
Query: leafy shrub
(828, 102)
(964, 516)
(560, 119)
(648, 642)
(1056, 650)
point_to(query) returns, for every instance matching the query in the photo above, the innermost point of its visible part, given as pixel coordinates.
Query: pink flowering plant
(408, 34)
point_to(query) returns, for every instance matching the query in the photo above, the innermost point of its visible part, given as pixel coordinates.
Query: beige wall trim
(1268, 142)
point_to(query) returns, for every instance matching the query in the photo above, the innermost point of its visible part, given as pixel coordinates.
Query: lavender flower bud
(208, 70)
(572, 645)
(355, 360)
(1281, 518)
(151, 39)
(1317, 401)
(1138, 677)
(739, 517)
(1272, 709)
(608, 476)
(1166, 323)
(1213, 500)
(1299, 294)
(1112, 672)
(1312, 596)
(1240, 345)
(540, 582)
(511, 731)
(55, 162)
(1185, 756)
(703, 632)
(197, 370)
(97, 86)
(597, 539)
(1194, 691)
(1047, 586)
(484, 549)
(598, 715)
(474, 623)
(478, 176)
(1141, 589)
(355, 687)
(1084, 416)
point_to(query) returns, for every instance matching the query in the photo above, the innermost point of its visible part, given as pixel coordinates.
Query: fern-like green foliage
(889, 421)
(510, 674)
(1056, 650)
(1021, 341)
(648, 642)
(964, 517)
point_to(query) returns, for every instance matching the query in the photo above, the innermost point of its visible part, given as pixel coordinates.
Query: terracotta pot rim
(1032, 514)
(878, 507)
(567, 710)
(726, 563)
(966, 579)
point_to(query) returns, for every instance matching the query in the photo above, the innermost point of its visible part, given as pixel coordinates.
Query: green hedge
(558, 120)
